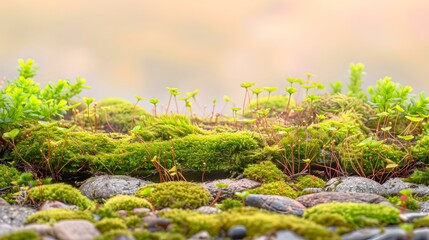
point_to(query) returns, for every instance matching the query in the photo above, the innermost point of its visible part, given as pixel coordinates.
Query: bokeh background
(124, 48)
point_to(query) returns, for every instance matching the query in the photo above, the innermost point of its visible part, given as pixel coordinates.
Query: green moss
(125, 202)
(7, 175)
(279, 188)
(419, 177)
(21, 235)
(420, 149)
(60, 192)
(110, 235)
(265, 171)
(56, 214)
(229, 203)
(357, 215)
(309, 181)
(421, 222)
(177, 195)
(257, 223)
(133, 221)
(108, 224)
(144, 235)
(276, 104)
(339, 103)
(410, 204)
(120, 115)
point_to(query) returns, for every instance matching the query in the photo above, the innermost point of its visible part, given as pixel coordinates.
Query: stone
(123, 237)
(154, 223)
(106, 186)
(208, 210)
(233, 187)
(361, 234)
(6, 229)
(392, 233)
(56, 204)
(14, 215)
(395, 185)
(421, 234)
(42, 229)
(237, 232)
(278, 204)
(355, 184)
(314, 199)
(281, 235)
(203, 235)
(3, 202)
(75, 229)
(409, 217)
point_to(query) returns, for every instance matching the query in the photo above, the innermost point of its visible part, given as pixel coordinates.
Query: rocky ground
(347, 189)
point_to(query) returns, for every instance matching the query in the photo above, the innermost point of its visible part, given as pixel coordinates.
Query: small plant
(355, 85)
(242, 196)
(154, 101)
(173, 94)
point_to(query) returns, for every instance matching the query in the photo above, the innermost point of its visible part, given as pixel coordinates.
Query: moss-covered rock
(176, 195)
(279, 188)
(265, 171)
(256, 222)
(107, 224)
(350, 216)
(125, 202)
(56, 214)
(21, 235)
(60, 192)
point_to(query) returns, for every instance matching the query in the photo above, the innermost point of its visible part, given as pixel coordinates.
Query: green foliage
(420, 150)
(107, 224)
(410, 203)
(276, 103)
(23, 100)
(419, 177)
(387, 94)
(177, 195)
(353, 215)
(309, 181)
(265, 171)
(61, 192)
(229, 203)
(257, 222)
(336, 87)
(21, 235)
(355, 85)
(54, 215)
(279, 188)
(112, 234)
(124, 202)
(8, 175)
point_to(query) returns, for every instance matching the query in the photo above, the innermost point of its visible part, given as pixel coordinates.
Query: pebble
(355, 184)
(409, 217)
(421, 234)
(233, 187)
(281, 235)
(237, 232)
(56, 204)
(42, 229)
(314, 199)
(203, 235)
(75, 229)
(14, 215)
(278, 204)
(208, 210)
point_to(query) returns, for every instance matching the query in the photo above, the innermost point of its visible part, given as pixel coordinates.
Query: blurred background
(141, 47)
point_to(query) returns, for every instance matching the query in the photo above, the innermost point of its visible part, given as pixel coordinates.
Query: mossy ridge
(108, 224)
(125, 202)
(21, 235)
(265, 171)
(356, 215)
(279, 188)
(54, 215)
(178, 194)
(256, 221)
(60, 192)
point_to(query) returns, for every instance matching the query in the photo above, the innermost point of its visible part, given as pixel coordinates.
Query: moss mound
(257, 223)
(21, 235)
(176, 195)
(125, 202)
(265, 171)
(60, 192)
(108, 224)
(350, 216)
(309, 181)
(7, 175)
(56, 214)
(275, 188)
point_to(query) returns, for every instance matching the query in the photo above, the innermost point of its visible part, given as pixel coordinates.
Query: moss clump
(108, 224)
(265, 171)
(144, 235)
(125, 202)
(57, 214)
(60, 192)
(410, 203)
(112, 234)
(421, 222)
(229, 203)
(176, 195)
(356, 215)
(133, 221)
(21, 235)
(7, 175)
(309, 181)
(275, 188)
(419, 177)
(276, 104)
(339, 103)
(257, 223)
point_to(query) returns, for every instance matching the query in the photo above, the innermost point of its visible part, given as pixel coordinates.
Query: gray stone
(203, 235)
(208, 210)
(56, 204)
(233, 187)
(391, 233)
(355, 184)
(314, 199)
(14, 215)
(106, 186)
(421, 234)
(6, 229)
(237, 232)
(278, 204)
(361, 234)
(281, 235)
(3, 202)
(42, 229)
(409, 217)
(75, 229)
(395, 185)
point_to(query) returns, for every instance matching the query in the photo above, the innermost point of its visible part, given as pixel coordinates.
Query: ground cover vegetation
(289, 139)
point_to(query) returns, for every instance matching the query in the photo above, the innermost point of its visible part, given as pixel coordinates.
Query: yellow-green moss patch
(125, 202)
(57, 214)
